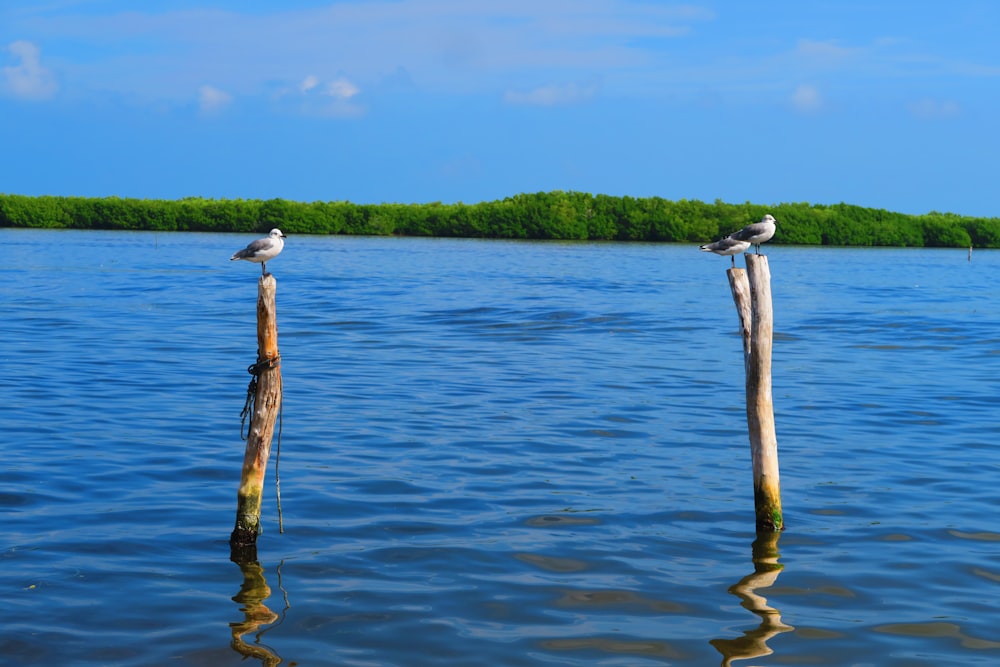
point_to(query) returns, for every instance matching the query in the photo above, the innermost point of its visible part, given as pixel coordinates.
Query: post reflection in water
(753, 643)
(251, 597)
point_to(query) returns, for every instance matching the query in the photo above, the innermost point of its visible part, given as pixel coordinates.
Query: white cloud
(332, 99)
(28, 79)
(552, 95)
(807, 99)
(342, 89)
(303, 58)
(929, 108)
(446, 46)
(211, 100)
(308, 83)
(827, 51)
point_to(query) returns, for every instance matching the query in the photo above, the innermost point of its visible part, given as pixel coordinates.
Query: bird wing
(749, 231)
(257, 247)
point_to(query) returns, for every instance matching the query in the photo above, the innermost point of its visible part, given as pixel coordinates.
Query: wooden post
(752, 295)
(740, 286)
(267, 405)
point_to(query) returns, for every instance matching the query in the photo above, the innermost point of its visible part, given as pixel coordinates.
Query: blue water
(495, 453)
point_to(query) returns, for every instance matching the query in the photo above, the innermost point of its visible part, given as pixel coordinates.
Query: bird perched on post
(727, 246)
(262, 250)
(757, 233)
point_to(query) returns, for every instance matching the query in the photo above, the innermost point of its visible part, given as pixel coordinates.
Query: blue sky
(877, 103)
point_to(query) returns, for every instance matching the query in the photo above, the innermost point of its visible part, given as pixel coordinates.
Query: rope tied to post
(248, 407)
(248, 411)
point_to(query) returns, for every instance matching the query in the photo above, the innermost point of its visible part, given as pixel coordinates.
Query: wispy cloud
(342, 89)
(339, 95)
(28, 79)
(552, 95)
(315, 97)
(308, 83)
(826, 52)
(807, 99)
(929, 108)
(211, 100)
(335, 58)
(446, 46)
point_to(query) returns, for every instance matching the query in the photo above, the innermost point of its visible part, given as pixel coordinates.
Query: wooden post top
(267, 319)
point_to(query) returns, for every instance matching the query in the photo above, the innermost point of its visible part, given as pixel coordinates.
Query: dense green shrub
(541, 215)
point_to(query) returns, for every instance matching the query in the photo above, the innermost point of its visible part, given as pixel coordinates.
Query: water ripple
(495, 453)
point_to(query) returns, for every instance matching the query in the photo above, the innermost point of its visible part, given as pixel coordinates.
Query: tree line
(543, 215)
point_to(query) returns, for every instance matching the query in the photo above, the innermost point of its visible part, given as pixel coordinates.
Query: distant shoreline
(545, 215)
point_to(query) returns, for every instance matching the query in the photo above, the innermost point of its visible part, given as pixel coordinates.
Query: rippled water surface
(495, 453)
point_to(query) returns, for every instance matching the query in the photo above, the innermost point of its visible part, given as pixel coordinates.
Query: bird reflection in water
(753, 643)
(251, 597)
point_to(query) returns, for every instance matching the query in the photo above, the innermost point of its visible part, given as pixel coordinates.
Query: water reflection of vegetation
(251, 597)
(753, 643)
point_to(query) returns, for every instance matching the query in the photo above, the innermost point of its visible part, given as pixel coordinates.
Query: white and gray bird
(262, 250)
(757, 233)
(727, 246)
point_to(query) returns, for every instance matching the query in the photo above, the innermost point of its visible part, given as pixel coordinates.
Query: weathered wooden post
(752, 295)
(266, 406)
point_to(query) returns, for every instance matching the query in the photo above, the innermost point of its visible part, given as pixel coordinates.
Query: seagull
(757, 233)
(727, 246)
(262, 250)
